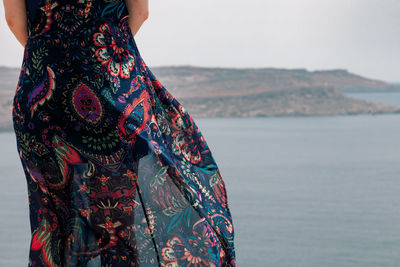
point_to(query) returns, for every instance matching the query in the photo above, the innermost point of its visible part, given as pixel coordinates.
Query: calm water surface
(309, 192)
(392, 98)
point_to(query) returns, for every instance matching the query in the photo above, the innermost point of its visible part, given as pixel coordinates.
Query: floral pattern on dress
(118, 173)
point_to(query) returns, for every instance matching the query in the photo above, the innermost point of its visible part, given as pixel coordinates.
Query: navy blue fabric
(31, 8)
(118, 172)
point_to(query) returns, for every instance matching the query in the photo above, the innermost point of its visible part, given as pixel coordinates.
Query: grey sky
(362, 36)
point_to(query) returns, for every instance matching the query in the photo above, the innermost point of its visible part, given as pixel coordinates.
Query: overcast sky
(362, 36)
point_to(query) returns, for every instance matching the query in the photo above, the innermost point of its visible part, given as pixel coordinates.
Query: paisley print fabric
(118, 173)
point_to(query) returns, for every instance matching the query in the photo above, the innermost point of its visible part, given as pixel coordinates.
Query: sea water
(311, 192)
(303, 191)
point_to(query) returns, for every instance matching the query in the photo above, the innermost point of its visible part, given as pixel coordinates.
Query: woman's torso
(76, 40)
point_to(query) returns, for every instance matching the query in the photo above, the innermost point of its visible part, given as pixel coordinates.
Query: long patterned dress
(118, 173)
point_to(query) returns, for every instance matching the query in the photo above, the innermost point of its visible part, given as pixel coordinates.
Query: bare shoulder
(14, 11)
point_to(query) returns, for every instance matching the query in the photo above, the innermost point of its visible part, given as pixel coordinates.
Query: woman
(118, 173)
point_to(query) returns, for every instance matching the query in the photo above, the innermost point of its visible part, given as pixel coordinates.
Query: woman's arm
(138, 13)
(15, 13)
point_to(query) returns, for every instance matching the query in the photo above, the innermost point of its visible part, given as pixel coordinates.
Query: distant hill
(249, 92)
(197, 81)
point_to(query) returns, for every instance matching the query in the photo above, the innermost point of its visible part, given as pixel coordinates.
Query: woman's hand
(138, 13)
(15, 13)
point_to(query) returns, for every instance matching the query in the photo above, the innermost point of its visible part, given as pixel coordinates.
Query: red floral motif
(103, 179)
(123, 234)
(85, 212)
(113, 50)
(186, 138)
(83, 187)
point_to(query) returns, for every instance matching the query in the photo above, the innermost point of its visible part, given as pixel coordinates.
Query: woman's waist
(101, 31)
(100, 43)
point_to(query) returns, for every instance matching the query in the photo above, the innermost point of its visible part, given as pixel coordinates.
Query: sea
(319, 191)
